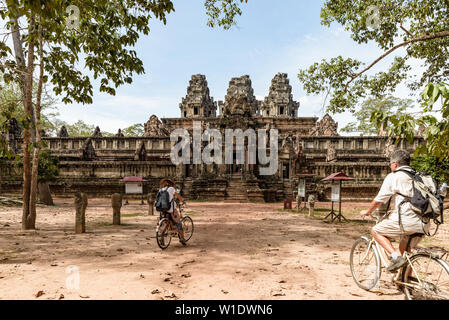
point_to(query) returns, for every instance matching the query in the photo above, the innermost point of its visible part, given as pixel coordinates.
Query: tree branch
(438, 35)
(406, 31)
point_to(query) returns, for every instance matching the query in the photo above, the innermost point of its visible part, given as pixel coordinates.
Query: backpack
(163, 203)
(426, 201)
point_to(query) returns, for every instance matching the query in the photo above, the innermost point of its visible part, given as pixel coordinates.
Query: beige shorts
(390, 228)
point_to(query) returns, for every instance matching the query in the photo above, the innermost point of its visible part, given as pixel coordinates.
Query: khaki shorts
(390, 228)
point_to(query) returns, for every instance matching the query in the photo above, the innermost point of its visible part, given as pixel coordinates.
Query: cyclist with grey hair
(402, 221)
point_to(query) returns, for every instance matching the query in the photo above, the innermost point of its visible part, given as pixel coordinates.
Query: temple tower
(279, 102)
(198, 103)
(240, 99)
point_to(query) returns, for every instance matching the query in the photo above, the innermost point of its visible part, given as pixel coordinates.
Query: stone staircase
(187, 189)
(236, 191)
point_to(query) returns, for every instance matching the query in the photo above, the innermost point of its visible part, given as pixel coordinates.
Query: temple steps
(236, 190)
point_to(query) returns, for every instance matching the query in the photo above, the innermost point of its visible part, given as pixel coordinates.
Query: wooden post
(116, 206)
(80, 218)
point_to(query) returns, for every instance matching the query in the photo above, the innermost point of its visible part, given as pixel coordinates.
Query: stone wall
(307, 147)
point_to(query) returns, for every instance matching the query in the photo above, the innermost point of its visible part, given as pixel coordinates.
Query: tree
(136, 130)
(388, 105)
(432, 165)
(420, 27)
(11, 106)
(55, 41)
(223, 12)
(82, 129)
(433, 121)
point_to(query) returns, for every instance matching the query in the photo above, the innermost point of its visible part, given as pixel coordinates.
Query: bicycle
(424, 277)
(165, 228)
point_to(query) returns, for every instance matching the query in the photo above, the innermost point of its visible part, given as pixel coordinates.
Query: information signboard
(302, 188)
(335, 197)
(133, 188)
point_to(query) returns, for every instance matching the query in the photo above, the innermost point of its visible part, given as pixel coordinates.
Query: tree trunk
(45, 194)
(29, 216)
(38, 142)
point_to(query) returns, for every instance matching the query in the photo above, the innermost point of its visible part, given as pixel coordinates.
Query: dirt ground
(238, 251)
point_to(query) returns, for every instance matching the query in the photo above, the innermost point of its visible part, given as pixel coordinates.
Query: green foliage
(433, 166)
(48, 167)
(374, 112)
(223, 12)
(83, 129)
(136, 130)
(80, 129)
(11, 106)
(421, 27)
(102, 45)
(433, 121)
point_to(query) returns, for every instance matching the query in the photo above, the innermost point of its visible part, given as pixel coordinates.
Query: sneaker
(396, 264)
(184, 243)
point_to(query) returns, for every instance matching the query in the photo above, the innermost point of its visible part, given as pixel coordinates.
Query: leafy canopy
(437, 168)
(421, 27)
(101, 46)
(223, 12)
(435, 129)
(386, 106)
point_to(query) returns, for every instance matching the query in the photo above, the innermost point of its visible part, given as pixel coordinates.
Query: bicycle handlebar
(379, 216)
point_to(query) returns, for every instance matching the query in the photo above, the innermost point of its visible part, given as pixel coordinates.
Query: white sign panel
(335, 197)
(302, 188)
(133, 188)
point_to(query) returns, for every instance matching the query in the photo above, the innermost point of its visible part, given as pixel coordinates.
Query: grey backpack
(426, 201)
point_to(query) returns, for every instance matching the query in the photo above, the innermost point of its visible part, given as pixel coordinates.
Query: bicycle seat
(416, 235)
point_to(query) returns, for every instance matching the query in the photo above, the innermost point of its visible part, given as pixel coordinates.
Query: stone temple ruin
(307, 147)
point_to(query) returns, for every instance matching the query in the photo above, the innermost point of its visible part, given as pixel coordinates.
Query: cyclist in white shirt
(175, 218)
(395, 186)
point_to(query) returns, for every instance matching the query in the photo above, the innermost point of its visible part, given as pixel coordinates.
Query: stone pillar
(150, 201)
(80, 207)
(311, 205)
(116, 206)
(44, 193)
(298, 201)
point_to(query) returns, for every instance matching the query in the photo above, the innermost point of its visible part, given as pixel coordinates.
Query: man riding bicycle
(172, 213)
(397, 185)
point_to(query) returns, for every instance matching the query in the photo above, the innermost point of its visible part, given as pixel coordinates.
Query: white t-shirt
(396, 183)
(171, 191)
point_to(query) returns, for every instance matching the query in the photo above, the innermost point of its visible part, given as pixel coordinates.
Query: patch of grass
(131, 215)
(288, 210)
(251, 252)
(102, 224)
(190, 213)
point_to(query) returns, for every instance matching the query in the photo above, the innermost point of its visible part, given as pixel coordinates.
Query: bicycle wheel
(163, 236)
(187, 227)
(426, 278)
(365, 264)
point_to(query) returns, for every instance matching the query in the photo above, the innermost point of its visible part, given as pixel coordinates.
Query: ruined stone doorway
(286, 170)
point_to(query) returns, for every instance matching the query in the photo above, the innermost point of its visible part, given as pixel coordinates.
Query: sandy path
(250, 251)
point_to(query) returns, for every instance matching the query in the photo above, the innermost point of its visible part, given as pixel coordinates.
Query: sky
(270, 37)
